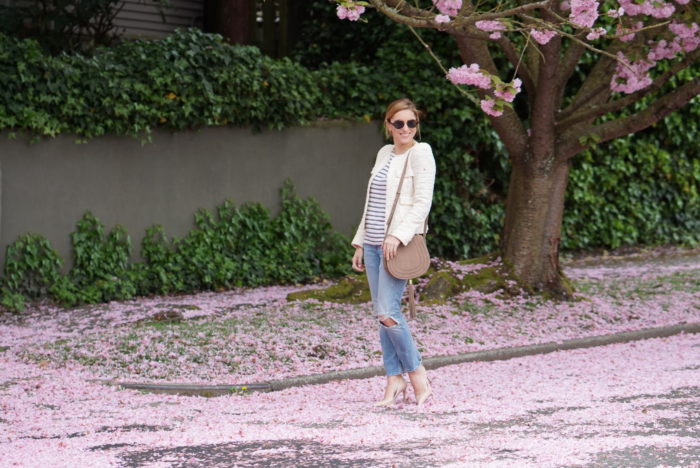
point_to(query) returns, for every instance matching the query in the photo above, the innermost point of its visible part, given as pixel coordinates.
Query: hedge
(192, 79)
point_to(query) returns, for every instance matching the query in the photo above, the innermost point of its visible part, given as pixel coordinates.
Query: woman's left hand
(391, 244)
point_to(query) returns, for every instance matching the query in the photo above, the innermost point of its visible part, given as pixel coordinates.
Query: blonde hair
(398, 106)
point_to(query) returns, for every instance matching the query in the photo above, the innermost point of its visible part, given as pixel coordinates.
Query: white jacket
(416, 192)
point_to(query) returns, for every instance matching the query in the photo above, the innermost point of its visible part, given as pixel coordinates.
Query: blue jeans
(399, 351)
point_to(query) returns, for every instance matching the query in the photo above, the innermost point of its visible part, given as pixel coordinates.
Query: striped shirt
(375, 219)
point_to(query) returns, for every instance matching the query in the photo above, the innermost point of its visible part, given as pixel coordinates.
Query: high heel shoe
(426, 395)
(419, 380)
(395, 396)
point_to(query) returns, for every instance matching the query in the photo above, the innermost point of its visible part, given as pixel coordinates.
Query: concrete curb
(430, 363)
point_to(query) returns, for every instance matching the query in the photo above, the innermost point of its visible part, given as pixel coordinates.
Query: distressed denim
(399, 350)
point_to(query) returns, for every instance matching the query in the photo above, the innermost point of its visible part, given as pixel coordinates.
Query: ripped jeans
(399, 351)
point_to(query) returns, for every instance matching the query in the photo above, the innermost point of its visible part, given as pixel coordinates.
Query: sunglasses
(398, 124)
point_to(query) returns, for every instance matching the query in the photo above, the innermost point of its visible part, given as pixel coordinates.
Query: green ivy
(32, 267)
(240, 246)
(100, 263)
(187, 80)
(641, 189)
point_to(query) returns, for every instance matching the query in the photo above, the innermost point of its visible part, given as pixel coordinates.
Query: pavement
(647, 426)
(435, 362)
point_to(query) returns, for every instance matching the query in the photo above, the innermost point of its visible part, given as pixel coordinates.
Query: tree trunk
(532, 228)
(233, 19)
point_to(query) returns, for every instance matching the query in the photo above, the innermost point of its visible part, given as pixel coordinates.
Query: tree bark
(532, 227)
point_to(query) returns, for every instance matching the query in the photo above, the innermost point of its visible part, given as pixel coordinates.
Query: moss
(477, 261)
(486, 280)
(441, 286)
(349, 290)
(567, 284)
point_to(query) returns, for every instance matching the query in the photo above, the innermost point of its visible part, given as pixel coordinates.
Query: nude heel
(395, 396)
(419, 379)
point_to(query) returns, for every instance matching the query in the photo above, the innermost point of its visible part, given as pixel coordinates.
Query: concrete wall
(47, 186)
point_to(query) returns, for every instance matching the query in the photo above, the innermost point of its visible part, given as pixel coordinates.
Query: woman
(375, 242)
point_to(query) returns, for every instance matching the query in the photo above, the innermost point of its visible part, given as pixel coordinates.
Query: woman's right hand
(357, 260)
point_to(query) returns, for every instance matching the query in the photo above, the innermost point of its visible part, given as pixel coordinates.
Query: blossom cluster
(492, 26)
(470, 75)
(542, 36)
(630, 76)
(584, 13)
(448, 7)
(654, 8)
(350, 12)
(473, 75)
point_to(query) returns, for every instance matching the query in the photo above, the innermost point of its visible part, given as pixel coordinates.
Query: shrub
(240, 246)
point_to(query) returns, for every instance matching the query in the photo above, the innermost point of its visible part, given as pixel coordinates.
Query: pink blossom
(469, 75)
(565, 5)
(508, 91)
(487, 105)
(686, 35)
(683, 30)
(442, 19)
(664, 50)
(630, 76)
(489, 25)
(448, 7)
(584, 13)
(690, 44)
(350, 13)
(655, 8)
(495, 35)
(542, 37)
(595, 33)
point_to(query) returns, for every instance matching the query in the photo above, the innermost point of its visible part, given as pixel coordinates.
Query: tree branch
(596, 84)
(593, 111)
(567, 67)
(518, 63)
(427, 47)
(508, 126)
(543, 110)
(574, 142)
(404, 13)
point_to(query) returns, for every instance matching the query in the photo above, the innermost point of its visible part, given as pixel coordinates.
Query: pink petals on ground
(540, 411)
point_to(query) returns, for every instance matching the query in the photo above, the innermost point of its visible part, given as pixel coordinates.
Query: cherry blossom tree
(537, 50)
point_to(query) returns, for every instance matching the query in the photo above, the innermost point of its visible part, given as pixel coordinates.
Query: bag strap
(398, 193)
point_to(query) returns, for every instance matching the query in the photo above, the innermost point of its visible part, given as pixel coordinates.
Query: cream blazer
(416, 192)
